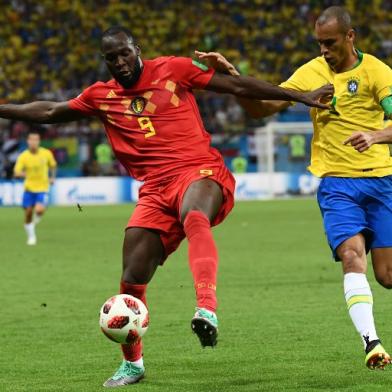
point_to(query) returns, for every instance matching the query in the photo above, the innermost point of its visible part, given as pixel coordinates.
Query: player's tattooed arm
(44, 112)
(254, 108)
(362, 140)
(252, 88)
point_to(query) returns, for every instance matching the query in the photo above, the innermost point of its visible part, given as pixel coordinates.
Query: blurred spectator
(103, 153)
(10, 151)
(297, 147)
(50, 50)
(90, 168)
(239, 165)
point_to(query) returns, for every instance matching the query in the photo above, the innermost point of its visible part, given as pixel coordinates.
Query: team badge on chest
(353, 85)
(138, 104)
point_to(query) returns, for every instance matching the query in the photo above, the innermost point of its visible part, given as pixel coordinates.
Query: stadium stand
(51, 53)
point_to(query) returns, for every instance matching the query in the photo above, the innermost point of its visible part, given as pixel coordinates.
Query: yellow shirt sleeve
(51, 161)
(300, 80)
(382, 81)
(19, 165)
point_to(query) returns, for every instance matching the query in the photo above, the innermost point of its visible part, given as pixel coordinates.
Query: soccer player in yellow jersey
(351, 155)
(34, 165)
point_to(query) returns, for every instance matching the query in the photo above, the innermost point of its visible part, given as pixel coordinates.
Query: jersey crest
(352, 85)
(138, 104)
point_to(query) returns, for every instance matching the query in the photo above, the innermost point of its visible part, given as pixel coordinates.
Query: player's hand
(218, 62)
(320, 98)
(361, 141)
(51, 181)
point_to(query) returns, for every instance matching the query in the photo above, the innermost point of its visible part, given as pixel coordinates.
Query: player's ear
(138, 50)
(350, 35)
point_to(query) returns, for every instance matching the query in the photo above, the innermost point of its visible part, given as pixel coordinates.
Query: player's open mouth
(125, 73)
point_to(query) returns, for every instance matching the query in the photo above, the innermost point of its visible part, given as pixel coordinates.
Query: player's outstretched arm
(248, 87)
(254, 108)
(44, 112)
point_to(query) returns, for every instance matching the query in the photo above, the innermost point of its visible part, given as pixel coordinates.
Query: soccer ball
(124, 319)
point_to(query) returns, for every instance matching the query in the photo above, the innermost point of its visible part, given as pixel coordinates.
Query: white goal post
(285, 172)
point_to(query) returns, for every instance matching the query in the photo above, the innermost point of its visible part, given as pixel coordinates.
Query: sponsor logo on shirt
(138, 104)
(352, 85)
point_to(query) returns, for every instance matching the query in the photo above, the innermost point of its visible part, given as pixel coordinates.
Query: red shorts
(160, 202)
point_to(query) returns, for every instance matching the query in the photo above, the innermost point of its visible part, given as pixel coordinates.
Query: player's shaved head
(338, 14)
(336, 38)
(115, 30)
(122, 55)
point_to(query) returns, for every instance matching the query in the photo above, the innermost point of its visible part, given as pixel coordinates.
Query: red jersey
(154, 127)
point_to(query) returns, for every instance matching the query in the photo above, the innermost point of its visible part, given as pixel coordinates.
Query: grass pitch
(283, 323)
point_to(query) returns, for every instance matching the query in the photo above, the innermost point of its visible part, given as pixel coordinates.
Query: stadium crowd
(49, 50)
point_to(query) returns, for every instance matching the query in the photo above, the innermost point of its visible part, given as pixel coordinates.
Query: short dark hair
(33, 132)
(114, 30)
(341, 15)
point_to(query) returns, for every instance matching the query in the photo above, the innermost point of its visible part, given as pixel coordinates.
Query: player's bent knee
(139, 272)
(352, 259)
(133, 277)
(142, 253)
(351, 254)
(39, 209)
(193, 208)
(385, 279)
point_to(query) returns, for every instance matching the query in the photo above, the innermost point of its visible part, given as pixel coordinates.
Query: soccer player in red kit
(154, 126)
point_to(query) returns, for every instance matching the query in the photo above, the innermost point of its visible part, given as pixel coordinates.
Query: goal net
(283, 154)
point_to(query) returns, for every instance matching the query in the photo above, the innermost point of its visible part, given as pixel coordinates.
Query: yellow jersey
(36, 167)
(356, 107)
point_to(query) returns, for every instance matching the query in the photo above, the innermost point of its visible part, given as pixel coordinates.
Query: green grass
(283, 323)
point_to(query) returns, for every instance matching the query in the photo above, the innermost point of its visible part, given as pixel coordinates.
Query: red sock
(133, 352)
(203, 258)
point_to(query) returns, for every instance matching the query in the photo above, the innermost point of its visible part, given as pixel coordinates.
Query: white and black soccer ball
(124, 319)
